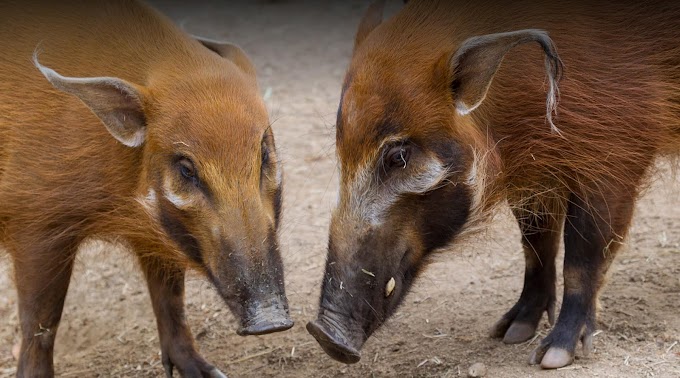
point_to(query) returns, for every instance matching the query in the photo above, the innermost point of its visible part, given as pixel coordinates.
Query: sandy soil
(301, 52)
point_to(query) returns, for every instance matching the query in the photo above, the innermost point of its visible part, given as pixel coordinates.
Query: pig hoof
(519, 333)
(332, 345)
(587, 341)
(215, 373)
(550, 357)
(16, 350)
(512, 332)
(520, 322)
(556, 358)
(168, 367)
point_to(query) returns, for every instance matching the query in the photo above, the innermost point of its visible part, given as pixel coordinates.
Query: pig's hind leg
(593, 232)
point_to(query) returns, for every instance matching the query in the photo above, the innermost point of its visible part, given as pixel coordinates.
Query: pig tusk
(389, 288)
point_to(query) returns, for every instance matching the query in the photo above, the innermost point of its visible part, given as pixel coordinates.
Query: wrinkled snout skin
(253, 288)
(353, 298)
(370, 268)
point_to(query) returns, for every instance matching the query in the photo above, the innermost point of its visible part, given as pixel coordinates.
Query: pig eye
(187, 169)
(397, 156)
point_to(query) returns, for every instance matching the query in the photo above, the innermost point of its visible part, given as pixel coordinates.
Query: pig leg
(540, 241)
(593, 233)
(166, 287)
(42, 278)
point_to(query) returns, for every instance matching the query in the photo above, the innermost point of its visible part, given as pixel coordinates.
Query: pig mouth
(257, 316)
(263, 317)
(265, 326)
(335, 339)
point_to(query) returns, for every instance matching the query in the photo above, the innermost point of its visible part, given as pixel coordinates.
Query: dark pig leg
(593, 233)
(166, 287)
(42, 276)
(541, 230)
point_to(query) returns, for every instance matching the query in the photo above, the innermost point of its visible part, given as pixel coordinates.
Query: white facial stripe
(151, 197)
(370, 199)
(216, 232)
(425, 181)
(149, 201)
(364, 179)
(173, 197)
(176, 200)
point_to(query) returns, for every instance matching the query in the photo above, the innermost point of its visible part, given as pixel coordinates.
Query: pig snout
(267, 316)
(339, 336)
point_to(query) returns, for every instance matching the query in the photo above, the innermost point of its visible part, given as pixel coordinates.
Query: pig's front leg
(541, 229)
(166, 287)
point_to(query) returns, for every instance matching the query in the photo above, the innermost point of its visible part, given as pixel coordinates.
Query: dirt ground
(301, 50)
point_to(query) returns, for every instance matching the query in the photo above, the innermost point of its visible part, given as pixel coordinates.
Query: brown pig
(433, 133)
(116, 125)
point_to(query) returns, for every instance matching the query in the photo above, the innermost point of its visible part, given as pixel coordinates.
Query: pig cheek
(210, 238)
(228, 265)
(394, 299)
(443, 215)
(395, 292)
(177, 226)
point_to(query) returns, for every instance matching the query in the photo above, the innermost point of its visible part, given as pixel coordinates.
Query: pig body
(115, 124)
(434, 132)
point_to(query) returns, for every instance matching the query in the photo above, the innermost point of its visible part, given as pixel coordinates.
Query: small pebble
(477, 370)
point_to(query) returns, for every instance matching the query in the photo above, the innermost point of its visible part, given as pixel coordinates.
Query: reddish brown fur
(619, 105)
(64, 178)
(619, 109)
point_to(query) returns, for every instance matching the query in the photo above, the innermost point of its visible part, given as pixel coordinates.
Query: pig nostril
(267, 326)
(333, 343)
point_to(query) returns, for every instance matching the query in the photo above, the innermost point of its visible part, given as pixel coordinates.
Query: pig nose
(264, 319)
(333, 341)
(267, 326)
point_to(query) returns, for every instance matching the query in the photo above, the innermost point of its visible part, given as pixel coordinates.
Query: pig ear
(475, 63)
(231, 52)
(117, 103)
(372, 18)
